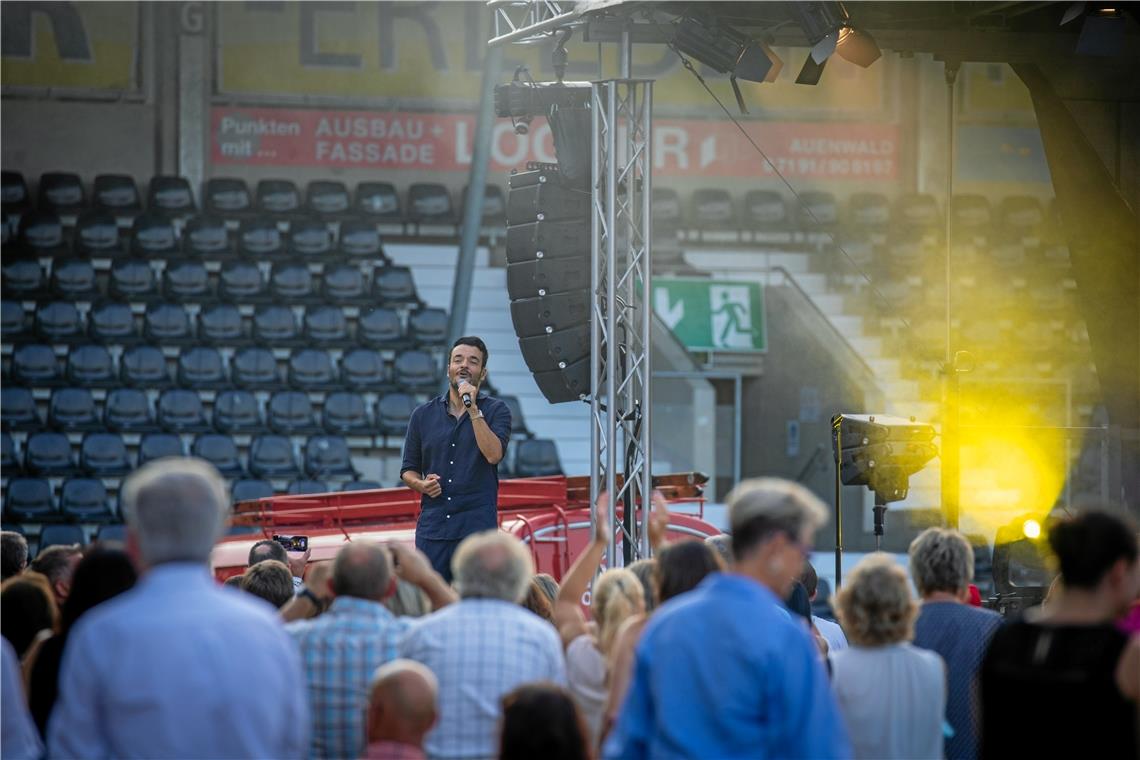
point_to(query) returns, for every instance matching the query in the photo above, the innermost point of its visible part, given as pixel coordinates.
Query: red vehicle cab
(550, 515)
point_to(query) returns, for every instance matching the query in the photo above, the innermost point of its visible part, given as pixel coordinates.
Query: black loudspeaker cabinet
(561, 311)
(556, 350)
(569, 384)
(547, 276)
(548, 240)
(539, 195)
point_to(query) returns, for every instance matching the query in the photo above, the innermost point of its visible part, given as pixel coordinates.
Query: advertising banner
(442, 142)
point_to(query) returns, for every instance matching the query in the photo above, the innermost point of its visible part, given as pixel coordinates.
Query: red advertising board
(442, 142)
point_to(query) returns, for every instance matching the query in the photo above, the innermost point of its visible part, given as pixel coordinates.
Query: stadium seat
(59, 322)
(14, 193)
(41, 235)
(13, 321)
(427, 327)
(9, 458)
(180, 411)
(906, 249)
(85, 500)
(393, 411)
(171, 197)
(166, 323)
(23, 278)
(416, 371)
(247, 489)
(325, 326)
(1007, 250)
(378, 201)
(327, 199)
(380, 327)
(104, 455)
(153, 237)
(201, 367)
(127, 410)
(311, 369)
(132, 280)
(111, 533)
(278, 198)
(327, 455)
(61, 193)
(241, 282)
(536, 457)
(271, 456)
(518, 421)
(259, 238)
(186, 280)
(18, 409)
(857, 242)
(29, 500)
(291, 282)
(817, 210)
(48, 454)
(274, 325)
(254, 367)
(227, 197)
(221, 323)
(35, 364)
(219, 450)
(1021, 214)
(667, 211)
(344, 284)
(116, 194)
(301, 486)
(971, 214)
(72, 409)
(62, 535)
(765, 210)
(97, 235)
(74, 280)
(291, 413)
(868, 209)
(345, 413)
(393, 285)
(237, 411)
(309, 240)
(361, 485)
(713, 208)
(111, 322)
(430, 203)
(917, 210)
(90, 366)
(206, 237)
(494, 206)
(144, 367)
(359, 239)
(159, 445)
(363, 368)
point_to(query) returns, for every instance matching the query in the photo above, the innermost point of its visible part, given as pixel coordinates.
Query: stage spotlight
(1031, 529)
(727, 51)
(857, 47)
(829, 30)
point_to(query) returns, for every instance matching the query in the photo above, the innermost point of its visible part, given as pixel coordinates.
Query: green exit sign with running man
(712, 315)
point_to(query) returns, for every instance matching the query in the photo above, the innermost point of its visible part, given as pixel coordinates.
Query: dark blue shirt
(441, 444)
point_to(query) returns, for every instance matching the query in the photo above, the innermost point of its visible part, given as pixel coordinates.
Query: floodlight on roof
(728, 51)
(828, 28)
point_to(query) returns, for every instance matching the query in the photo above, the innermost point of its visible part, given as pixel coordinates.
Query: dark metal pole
(473, 203)
(838, 506)
(951, 474)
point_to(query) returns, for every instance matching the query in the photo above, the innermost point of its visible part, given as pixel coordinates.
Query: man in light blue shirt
(19, 739)
(165, 670)
(722, 671)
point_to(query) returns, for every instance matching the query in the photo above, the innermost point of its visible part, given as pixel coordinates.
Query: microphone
(466, 400)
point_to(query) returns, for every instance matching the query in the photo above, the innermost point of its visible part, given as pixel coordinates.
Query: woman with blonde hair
(892, 694)
(617, 595)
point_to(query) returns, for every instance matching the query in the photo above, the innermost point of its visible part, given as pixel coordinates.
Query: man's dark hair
(271, 580)
(1088, 544)
(102, 574)
(541, 720)
(809, 578)
(13, 553)
(267, 549)
(54, 562)
(474, 342)
(681, 566)
(798, 601)
(362, 570)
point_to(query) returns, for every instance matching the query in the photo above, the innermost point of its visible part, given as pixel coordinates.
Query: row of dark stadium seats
(180, 410)
(114, 322)
(188, 280)
(64, 193)
(36, 365)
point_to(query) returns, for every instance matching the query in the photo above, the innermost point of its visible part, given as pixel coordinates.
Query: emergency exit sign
(712, 315)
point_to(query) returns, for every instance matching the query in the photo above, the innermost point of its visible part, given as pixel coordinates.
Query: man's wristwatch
(477, 416)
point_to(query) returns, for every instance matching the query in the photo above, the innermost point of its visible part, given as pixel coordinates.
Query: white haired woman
(892, 694)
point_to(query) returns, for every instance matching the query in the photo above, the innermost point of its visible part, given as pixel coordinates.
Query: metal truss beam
(524, 21)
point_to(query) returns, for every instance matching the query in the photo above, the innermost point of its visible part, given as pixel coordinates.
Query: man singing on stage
(451, 455)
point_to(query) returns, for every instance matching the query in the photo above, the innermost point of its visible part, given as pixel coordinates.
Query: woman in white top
(892, 694)
(616, 595)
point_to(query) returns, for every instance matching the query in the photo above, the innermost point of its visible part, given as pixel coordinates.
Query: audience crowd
(708, 650)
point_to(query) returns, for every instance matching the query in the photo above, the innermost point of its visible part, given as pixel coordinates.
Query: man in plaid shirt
(342, 648)
(484, 646)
